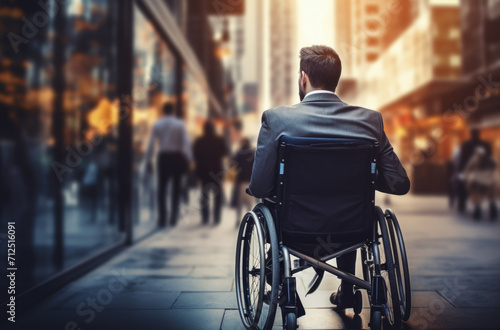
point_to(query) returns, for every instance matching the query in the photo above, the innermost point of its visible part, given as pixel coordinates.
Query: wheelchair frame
(273, 268)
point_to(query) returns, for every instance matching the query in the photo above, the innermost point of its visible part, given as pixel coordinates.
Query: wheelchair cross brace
(333, 270)
(330, 256)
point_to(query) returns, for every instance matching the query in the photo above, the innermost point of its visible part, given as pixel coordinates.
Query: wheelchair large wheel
(400, 264)
(392, 310)
(257, 269)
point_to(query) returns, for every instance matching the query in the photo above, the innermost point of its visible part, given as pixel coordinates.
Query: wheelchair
(324, 208)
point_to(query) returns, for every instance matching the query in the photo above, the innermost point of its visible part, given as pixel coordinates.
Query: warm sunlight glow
(316, 20)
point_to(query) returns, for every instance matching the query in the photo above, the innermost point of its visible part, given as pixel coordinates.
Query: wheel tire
(376, 320)
(358, 302)
(400, 264)
(256, 256)
(290, 322)
(392, 311)
(273, 273)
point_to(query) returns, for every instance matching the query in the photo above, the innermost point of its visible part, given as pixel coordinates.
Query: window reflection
(154, 84)
(195, 102)
(29, 179)
(90, 128)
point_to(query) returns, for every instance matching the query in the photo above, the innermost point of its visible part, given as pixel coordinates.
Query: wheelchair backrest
(326, 189)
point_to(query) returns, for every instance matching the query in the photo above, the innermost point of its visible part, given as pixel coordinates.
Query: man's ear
(304, 79)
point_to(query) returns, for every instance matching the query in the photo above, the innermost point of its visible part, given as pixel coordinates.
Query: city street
(182, 278)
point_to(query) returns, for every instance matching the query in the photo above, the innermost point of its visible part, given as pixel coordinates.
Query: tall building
(480, 26)
(282, 52)
(364, 30)
(406, 63)
(200, 35)
(480, 23)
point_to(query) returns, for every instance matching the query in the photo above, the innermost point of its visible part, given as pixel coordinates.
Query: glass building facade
(62, 126)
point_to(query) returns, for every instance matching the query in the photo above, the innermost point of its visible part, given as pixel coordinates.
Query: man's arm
(263, 180)
(391, 176)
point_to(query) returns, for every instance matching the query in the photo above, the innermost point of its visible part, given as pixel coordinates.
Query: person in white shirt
(174, 157)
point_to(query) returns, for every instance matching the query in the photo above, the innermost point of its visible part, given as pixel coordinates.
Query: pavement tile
(206, 300)
(202, 260)
(121, 300)
(455, 284)
(476, 299)
(422, 299)
(131, 319)
(454, 318)
(185, 284)
(212, 272)
(154, 284)
(232, 321)
(162, 272)
(328, 318)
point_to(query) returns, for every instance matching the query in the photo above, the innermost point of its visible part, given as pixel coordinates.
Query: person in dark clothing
(173, 159)
(243, 161)
(209, 150)
(467, 150)
(480, 181)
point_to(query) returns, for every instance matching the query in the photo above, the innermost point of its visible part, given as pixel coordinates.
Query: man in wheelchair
(319, 117)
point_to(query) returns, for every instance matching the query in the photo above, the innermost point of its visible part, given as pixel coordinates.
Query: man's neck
(314, 91)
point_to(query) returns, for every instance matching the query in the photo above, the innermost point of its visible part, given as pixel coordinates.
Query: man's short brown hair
(322, 65)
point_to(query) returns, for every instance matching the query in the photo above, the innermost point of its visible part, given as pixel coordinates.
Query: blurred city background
(83, 81)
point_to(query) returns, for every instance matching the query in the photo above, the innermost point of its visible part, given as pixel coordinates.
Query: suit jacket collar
(321, 97)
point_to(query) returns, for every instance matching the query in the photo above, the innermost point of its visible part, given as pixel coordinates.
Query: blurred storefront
(81, 83)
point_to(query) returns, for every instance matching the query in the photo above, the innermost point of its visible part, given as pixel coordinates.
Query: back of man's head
(474, 133)
(168, 108)
(209, 128)
(322, 65)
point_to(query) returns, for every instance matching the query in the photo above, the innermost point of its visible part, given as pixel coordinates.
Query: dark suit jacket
(323, 115)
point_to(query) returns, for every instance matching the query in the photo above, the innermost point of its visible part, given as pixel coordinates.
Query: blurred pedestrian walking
(453, 187)
(243, 163)
(467, 150)
(209, 151)
(480, 181)
(172, 161)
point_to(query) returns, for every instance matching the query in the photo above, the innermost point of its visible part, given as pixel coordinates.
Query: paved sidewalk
(182, 278)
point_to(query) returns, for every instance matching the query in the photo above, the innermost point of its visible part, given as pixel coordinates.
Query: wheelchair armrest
(271, 199)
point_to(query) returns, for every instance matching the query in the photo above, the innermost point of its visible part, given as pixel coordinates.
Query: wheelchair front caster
(376, 320)
(358, 302)
(290, 322)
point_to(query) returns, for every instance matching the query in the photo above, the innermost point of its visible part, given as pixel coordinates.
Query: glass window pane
(154, 85)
